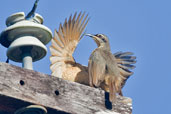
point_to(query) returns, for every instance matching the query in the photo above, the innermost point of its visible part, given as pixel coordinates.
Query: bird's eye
(100, 36)
(103, 40)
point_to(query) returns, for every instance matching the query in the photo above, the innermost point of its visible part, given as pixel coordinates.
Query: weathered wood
(21, 87)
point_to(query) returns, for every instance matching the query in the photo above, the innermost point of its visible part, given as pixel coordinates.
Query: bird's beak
(92, 36)
(96, 39)
(89, 35)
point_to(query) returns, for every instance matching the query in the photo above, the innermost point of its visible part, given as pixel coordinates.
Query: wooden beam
(21, 87)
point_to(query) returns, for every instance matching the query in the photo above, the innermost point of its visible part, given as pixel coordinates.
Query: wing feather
(55, 59)
(96, 69)
(65, 42)
(84, 24)
(57, 39)
(61, 35)
(54, 52)
(55, 46)
(124, 62)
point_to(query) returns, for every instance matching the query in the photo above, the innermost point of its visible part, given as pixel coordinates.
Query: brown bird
(63, 64)
(64, 43)
(106, 70)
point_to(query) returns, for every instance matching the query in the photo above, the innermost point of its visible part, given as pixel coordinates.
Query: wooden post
(21, 87)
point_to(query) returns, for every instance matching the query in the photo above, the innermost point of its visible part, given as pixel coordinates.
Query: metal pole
(27, 61)
(32, 12)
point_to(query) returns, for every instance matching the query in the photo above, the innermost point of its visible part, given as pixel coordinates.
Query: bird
(106, 70)
(63, 44)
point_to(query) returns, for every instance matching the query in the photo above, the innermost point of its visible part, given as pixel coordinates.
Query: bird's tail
(124, 62)
(65, 42)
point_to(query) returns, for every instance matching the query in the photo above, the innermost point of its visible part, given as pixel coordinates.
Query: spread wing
(65, 42)
(124, 62)
(96, 69)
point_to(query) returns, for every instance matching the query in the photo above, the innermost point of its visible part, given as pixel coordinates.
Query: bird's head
(101, 40)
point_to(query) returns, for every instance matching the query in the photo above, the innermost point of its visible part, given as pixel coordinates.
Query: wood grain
(21, 87)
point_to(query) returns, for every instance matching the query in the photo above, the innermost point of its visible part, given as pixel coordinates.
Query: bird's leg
(112, 90)
(118, 86)
(120, 93)
(7, 61)
(90, 78)
(90, 81)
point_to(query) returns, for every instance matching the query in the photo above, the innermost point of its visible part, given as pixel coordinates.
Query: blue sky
(139, 26)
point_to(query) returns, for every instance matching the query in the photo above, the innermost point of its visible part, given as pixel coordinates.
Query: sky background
(139, 26)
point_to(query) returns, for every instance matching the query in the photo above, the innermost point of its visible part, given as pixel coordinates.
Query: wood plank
(21, 87)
